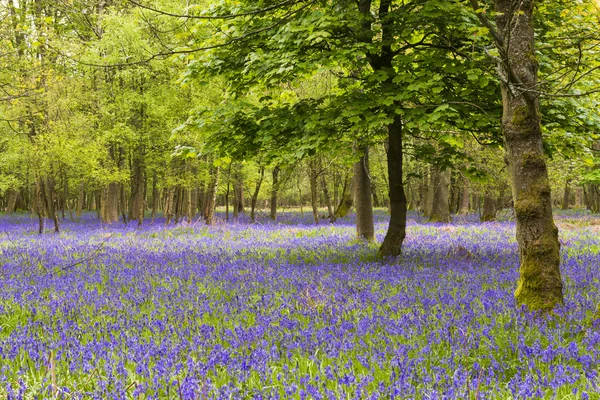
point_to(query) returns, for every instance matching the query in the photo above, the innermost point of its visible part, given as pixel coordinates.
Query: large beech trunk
(363, 199)
(540, 285)
(440, 208)
(255, 195)
(392, 243)
(274, 192)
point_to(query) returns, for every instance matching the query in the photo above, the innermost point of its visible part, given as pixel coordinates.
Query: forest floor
(289, 310)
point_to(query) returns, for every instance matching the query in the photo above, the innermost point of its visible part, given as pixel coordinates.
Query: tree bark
(155, 197)
(314, 196)
(255, 195)
(440, 209)
(211, 196)
(365, 228)
(327, 197)
(392, 243)
(465, 197)
(540, 285)
(80, 199)
(11, 201)
(110, 203)
(566, 195)
(274, 192)
(238, 189)
(347, 199)
(489, 208)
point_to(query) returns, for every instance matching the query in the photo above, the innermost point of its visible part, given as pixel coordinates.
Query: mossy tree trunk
(363, 197)
(540, 285)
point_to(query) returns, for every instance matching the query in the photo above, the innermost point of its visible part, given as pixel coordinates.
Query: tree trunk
(274, 192)
(465, 196)
(49, 197)
(11, 201)
(489, 208)
(255, 195)
(137, 190)
(238, 189)
(314, 196)
(155, 197)
(363, 198)
(392, 243)
(80, 199)
(211, 196)
(39, 189)
(327, 197)
(192, 206)
(540, 285)
(110, 203)
(566, 195)
(347, 201)
(440, 209)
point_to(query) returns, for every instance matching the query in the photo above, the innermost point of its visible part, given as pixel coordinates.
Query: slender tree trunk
(430, 194)
(155, 196)
(49, 196)
(274, 192)
(314, 194)
(464, 201)
(211, 196)
(192, 205)
(255, 195)
(392, 243)
(327, 197)
(440, 210)
(347, 201)
(238, 189)
(540, 284)
(566, 195)
(39, 189)
(227, 201)
(365, 228)
(123, 205)
(80, 199)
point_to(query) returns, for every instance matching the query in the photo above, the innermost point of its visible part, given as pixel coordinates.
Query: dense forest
(167, 118)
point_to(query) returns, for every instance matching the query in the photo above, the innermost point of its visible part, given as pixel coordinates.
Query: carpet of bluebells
(289, 310)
